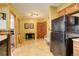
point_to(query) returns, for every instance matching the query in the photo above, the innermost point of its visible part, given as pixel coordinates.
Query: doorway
(41, 29)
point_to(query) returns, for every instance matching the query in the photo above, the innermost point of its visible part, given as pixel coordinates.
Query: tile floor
(33, 48)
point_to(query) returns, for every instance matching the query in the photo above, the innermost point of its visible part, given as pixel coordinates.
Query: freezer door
(62, 44)
(58, 44)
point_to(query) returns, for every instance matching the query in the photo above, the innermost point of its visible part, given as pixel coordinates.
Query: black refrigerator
(60, 43)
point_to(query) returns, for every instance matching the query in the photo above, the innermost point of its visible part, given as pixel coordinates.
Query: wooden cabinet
(76, 47)
(62, 12)
(77, 6)
(70, 9)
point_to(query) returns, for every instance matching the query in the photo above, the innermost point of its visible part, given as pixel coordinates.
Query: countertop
(73, 35)
(4, 30)
(76, 39)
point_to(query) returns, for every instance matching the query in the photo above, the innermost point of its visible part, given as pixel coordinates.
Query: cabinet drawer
(76, 52)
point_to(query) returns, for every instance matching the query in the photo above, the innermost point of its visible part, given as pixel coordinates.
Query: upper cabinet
(70, 9)
(62, 12)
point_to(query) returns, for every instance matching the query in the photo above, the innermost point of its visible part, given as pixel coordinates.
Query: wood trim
(9, 45)
(11, 12)
(71, 9)
(76, 9)
(12, 9)
(64, 9)
(77, 5)
(15, 28)
(62, 12)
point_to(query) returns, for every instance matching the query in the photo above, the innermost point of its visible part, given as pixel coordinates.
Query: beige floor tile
(33, 48)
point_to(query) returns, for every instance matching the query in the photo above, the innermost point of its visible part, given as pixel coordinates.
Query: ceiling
(26, 8)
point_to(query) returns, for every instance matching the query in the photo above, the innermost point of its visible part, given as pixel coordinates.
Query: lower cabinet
(75, 48)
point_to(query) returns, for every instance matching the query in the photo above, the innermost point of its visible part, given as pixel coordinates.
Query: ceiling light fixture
(34, 14)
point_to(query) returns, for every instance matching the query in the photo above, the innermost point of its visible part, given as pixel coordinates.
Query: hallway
(33, 48)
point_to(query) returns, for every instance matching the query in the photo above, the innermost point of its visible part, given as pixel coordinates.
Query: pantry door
(41, 29)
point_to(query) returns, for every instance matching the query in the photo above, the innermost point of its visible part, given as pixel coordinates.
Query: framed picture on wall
(31, 26)
(2, 16)
(26, 25)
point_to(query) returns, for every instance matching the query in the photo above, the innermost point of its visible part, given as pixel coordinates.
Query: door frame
(18, 30)
(15, 37)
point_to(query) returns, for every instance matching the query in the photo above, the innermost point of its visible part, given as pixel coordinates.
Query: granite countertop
(4, 30)
(76, 39)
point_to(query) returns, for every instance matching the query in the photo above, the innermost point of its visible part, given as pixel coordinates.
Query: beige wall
(5, 9)
(48, 24)
(52, 14)
(28, 30)
(34, 21)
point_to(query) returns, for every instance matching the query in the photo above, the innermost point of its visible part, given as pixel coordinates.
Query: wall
(52, 14)
(28, 20)
(28, 30)
(48, 24)
(4, 9)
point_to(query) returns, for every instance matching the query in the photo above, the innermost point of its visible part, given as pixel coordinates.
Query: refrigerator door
(58, 37)
(62, 44)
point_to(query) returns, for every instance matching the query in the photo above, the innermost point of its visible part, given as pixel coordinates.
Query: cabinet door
(62, 12)
(70, 9)
(75, 48)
